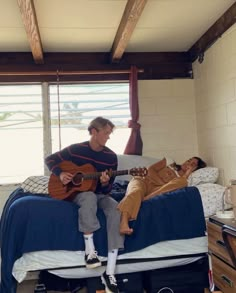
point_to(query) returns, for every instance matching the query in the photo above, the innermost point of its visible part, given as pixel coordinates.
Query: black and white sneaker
(92, 261)
(110, 283)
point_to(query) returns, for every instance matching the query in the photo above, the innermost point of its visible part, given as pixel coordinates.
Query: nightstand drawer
(223, 275)
(229, 236)
(216, 243)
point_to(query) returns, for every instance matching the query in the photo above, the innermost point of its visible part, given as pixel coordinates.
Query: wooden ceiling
(42, 65)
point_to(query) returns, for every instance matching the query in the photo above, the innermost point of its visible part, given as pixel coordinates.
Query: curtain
(135, 143)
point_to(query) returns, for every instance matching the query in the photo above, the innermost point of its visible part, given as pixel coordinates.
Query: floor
(28, 287)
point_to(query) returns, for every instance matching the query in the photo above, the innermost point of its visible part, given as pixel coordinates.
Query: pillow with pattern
(36, 184)
(203, 175)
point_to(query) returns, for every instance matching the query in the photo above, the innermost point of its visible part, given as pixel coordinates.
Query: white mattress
(68, 260)
(123, 268)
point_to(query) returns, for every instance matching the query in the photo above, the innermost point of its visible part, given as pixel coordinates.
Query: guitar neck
(111, 173)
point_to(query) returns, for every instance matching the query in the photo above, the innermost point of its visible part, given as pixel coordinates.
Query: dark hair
(200, 163)
(99, 123)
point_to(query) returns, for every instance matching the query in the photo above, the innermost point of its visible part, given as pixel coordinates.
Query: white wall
(167, 116)
(215, 91)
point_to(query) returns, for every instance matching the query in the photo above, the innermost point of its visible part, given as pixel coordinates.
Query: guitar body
(60, 191)
(84, 178)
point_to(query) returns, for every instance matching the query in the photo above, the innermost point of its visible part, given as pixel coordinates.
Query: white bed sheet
(212, 196)
(67, 260)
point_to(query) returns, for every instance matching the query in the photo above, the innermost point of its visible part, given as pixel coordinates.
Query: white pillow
(203, 175)
(212, 198)
(36, 184)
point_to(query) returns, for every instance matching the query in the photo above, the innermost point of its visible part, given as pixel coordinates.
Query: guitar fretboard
(98, 174)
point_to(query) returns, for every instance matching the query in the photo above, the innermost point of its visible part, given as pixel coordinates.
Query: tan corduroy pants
(140, 188)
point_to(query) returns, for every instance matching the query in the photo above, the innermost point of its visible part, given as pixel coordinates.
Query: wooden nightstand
(222, 248)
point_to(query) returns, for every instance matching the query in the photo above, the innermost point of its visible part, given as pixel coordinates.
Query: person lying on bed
(161, 178)
(101, 158)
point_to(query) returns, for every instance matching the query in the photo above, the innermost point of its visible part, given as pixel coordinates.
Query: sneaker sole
(93, 266)
(105, 284)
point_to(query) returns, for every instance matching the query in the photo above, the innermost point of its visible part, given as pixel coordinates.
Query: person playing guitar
(93, 153)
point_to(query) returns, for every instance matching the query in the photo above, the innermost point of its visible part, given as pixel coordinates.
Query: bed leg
(40, 288)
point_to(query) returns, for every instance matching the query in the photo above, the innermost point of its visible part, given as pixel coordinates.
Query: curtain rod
(60, 73)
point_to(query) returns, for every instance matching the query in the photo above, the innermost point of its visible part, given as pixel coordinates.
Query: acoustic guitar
(84, 178)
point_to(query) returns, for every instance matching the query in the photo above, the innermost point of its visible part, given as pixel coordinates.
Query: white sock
(111, 262)
(89, 245)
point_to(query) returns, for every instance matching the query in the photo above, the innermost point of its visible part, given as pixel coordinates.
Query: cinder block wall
(167, 116)
(215, 92)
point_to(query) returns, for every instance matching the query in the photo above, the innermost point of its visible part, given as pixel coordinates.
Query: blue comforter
(37, 222)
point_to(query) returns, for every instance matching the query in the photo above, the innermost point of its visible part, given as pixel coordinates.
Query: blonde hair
(99, 123)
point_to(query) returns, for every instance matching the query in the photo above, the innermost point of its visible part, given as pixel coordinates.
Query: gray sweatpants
(88, 203)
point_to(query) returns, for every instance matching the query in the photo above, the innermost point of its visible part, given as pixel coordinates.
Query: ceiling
(109, 26)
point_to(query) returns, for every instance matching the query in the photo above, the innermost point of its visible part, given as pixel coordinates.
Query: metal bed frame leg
(40, 288)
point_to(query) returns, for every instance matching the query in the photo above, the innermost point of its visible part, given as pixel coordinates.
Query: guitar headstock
(142, 172)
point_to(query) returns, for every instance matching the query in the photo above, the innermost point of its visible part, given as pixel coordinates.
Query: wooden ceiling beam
(132, 12)
(213, 33)
(20, 66)
(93, 59)
(32, 30)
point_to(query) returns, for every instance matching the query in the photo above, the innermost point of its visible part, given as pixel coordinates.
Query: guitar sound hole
(77, 179)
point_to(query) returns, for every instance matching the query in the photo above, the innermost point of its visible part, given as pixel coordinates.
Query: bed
(35, 235)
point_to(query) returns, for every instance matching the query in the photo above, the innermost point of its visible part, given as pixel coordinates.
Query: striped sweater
(81, 154)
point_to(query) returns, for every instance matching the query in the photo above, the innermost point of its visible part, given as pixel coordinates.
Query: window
(21, 131)
(80, 103)
(22, 124)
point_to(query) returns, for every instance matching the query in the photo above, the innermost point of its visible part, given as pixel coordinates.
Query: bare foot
(124, 225)
(126, 230)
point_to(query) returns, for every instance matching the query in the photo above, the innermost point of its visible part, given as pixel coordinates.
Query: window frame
(46, 117)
